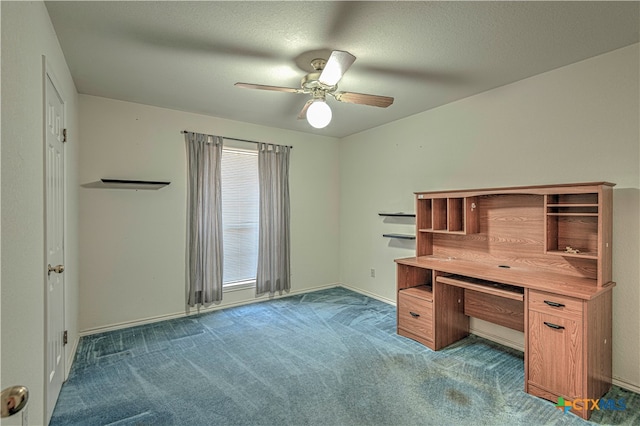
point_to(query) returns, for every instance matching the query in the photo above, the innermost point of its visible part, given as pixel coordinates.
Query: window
(240, 198)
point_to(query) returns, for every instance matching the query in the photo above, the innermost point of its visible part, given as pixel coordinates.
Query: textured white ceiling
(187, 55)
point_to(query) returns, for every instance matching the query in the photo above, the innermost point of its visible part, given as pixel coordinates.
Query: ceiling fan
(322, 82)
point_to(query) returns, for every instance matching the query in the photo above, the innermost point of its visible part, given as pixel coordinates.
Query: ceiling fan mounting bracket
(318, 64)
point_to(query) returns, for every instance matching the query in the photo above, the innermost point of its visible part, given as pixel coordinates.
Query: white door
(54, 242)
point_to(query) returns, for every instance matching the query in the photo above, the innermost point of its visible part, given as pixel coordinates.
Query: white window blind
(240, 197)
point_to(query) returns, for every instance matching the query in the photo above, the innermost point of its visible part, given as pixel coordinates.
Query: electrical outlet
(373, 273)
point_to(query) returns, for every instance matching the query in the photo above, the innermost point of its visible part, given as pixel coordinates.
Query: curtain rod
(236, 139)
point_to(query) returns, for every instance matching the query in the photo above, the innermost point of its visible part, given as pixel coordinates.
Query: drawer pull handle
(413, 314)
(554, 304)
(554, 326)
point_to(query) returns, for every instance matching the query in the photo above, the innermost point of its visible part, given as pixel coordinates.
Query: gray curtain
(273, 273)
(204, 219)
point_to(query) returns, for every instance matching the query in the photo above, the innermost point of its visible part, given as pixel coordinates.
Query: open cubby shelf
(454, 215)
(572, 224)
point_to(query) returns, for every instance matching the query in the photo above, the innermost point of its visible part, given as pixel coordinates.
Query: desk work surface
(520, 276)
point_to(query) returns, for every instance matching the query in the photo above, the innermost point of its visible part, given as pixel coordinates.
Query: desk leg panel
(450, 323)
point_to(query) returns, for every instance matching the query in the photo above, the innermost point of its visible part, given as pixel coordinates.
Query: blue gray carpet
(330, 357)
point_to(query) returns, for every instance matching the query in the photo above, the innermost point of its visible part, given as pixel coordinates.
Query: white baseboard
(371, 295)
(127, 324)
(158, 318)
(498, 339)
(72, 357)
(626, 385)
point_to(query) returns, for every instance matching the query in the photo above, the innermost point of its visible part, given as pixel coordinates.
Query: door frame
(48, 74)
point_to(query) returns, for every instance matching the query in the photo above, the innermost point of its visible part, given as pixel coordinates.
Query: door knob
(58, 269)
(13, 400)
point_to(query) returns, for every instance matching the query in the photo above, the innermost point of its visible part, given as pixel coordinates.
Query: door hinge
(64, 135)
(65, 337)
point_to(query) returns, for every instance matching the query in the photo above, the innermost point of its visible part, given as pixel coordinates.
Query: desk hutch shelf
(536, 259)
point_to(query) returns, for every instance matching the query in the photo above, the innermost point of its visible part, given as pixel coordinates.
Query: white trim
(240, 285)
(72, 350)
(127, 324)
(371, 295)
(151, 320)
(49, 75)
(498, 339)
(626, 385)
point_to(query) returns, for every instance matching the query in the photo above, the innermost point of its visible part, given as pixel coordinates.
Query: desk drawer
(415, 315)
(549, 303)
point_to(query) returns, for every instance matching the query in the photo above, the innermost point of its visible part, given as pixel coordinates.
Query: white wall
(27, 34)
(133, 242)
(579, 123)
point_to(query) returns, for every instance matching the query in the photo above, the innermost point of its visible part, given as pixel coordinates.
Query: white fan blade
(362, 99)
(273, 88)
(338, 63)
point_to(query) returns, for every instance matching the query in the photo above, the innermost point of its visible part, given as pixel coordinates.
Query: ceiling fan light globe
(319, 114)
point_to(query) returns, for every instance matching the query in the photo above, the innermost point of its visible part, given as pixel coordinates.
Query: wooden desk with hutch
(535, 259)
